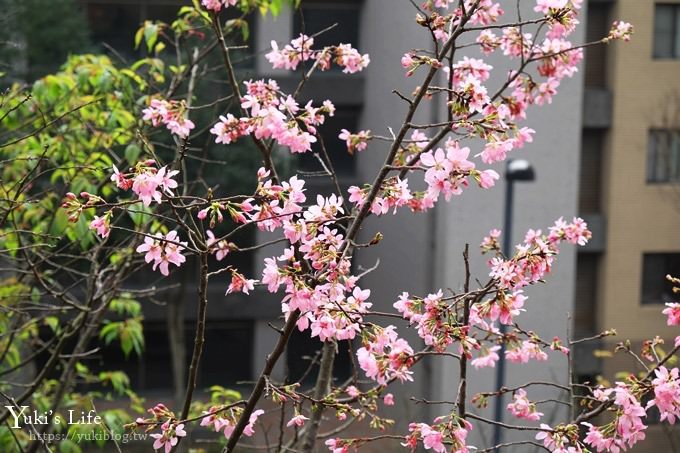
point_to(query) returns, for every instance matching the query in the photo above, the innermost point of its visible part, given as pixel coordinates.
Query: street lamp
(517, 170)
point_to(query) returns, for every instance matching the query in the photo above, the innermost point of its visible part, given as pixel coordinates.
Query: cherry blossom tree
(139, 204)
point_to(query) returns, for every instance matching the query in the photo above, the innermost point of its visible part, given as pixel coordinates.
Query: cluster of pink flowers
(672, 310)
(488, 356)
(333, 307)
(327, 309)
(444, 430)
(229, 129)
(533, 259)
(169, 437)
(355, 142)
(447, 171)
(102, 225)
(503, 307)
(666, 394)
(429, 314)
(521, 407)
(223, 423)
(526, 351)
(172, 114)
(628, 425)
(273, 115)
(275, 206)
(217, 5)
(621, 30)
(163, 250)
(146, 181)
(171, 429)
(545, 6)
(394, 193)
(74, 207)
(338, 445)
(560, 439)
(219, 248)
(300, 50)
(239, 283)
(384, 356)
(226, 421)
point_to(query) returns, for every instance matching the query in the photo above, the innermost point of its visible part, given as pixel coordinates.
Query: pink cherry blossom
(672, 310)
(250, 427)
(522, 408)
(170, 113)
(388, 399)
(122, 182)
(163, 251)
(355, 142)
(102, 225)
(298, 420)
(487, 358)
(217, 5)
(240, 284)
(169, 436)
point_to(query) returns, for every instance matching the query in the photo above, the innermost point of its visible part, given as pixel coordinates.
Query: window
(343, 162)
(113, 23)
(152, 371)
(663, 156)
(303, 359)
(320, 15)
(667, 31)
(655, 288)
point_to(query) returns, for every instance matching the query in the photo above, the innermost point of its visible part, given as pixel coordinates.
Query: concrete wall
(387, 32)
(555, 155)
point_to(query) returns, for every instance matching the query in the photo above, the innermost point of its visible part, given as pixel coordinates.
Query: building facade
(630, 186)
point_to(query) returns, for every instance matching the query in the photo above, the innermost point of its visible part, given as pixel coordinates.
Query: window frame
(653, 156)
(659, 279)
(675, 30)
(332, 5)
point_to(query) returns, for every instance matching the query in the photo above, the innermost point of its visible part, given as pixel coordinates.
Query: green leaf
(68, 446)
(150, 35)
(132, 152)
(138, 37)
(53, 323)
(109, 332)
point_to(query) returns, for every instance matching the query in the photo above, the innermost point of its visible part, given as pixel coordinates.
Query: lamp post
(516, 170)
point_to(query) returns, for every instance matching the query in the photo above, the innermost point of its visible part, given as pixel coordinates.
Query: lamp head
(519, 170)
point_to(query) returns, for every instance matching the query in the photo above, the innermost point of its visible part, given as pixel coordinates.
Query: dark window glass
(320, 15)
(597, 26)
(303, 358)
(224, 341)
(667, 31)
(343, 162)
(663, 156)
(114, 24)
(655, 288)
